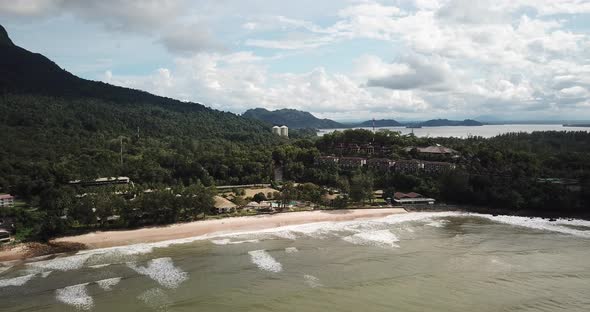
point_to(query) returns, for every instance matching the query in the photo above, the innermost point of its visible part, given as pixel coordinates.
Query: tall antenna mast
(121, 141)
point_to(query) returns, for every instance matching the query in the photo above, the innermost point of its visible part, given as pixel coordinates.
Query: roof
(352, 158)
(6, 196)
(221, 202)
(400, 195)
(437, 149)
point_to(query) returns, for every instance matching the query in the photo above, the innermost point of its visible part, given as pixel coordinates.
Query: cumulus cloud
(451, 57)
(413, 72)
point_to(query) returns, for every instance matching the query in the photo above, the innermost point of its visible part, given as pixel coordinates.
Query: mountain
(380, 123)
(56, 127)
(291, 118)
(446, 122)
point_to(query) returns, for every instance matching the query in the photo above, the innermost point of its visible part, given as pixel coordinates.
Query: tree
(361, 188)
(259, 197)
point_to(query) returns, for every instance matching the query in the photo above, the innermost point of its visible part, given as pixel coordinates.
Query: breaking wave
(108, 284)
(291, 249)
(163, 271)
(264, 261)
(383, 238)
(312, 281)
(76, 296)
(16, 281)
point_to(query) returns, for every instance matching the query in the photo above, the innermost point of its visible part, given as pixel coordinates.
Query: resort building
(223, 205)
(102, 181)
(434, 152)
(408, 166)
(437, 166)
(6, 200)
(382, 164)
(326, 160)
(259, 207)
(352, 162)
(412, 199)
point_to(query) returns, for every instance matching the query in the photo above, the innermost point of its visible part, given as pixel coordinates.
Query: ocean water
(444, 261)
(485, 131)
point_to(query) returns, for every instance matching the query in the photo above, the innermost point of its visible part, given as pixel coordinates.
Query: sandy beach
(185, 230)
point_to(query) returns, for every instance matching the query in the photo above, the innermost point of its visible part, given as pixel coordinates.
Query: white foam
(312, 281)
(163, 271)
(62, 263)
(264, 261)
(227, 241)
(291, 249)
(438, 223)
(559, 226)
(16, 281)
(108, 284)
(382, 238)
(46, 274)
(155, 298)
(316, 230)
(98, 266)
(4, 268)
(76, 296)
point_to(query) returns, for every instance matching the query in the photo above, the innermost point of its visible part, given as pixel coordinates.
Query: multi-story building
(326, 160)
(382, 164)
(6, 200)
(437, 166)
(352, 162)
(408, 166)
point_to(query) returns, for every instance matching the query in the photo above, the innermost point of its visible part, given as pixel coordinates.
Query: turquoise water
(412, 262)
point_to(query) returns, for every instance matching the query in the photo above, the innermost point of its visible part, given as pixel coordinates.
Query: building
(367, 149)
(434, 152)
(102, 181)
(408, 166)
(223, 205)
(437, 166)
(6, 200)
(276, 130)
(352, 162)
(263, 206)
(285, 131)
(326, 160)
(382, 164)
(412, 199)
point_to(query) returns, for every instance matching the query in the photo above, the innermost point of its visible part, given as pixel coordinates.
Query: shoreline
(106, 239)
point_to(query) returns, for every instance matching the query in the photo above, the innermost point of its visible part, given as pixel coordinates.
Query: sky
(339, 59)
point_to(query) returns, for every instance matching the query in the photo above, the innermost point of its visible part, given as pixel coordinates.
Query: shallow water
(412, 262)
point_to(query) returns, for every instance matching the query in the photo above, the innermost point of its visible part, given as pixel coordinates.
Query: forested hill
(380, 123)
(291, 118)
(55, 126)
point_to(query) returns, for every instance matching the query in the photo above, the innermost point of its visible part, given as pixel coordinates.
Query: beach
(106, 239)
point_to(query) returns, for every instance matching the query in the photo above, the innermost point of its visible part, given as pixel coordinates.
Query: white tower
(285, 131)
(276, 130)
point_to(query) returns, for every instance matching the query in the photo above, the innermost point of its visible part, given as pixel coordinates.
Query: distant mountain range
(300, 119)
(291, 118)
(446, 122)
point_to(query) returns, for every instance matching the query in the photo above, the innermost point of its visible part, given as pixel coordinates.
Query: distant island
(446, 122)
(576, 125)
(380, 123)
(292, 118)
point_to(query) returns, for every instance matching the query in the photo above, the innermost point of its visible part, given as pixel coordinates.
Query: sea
(485, 131)
(440, 261)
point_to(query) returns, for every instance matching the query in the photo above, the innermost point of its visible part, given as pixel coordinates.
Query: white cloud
(441, 58)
